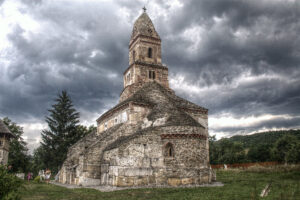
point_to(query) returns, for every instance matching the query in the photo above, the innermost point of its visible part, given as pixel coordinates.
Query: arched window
(169, 150)
(149, 52)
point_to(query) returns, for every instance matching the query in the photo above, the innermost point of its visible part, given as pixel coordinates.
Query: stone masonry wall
(4, 143)
(139, 74)
(82, 166)
(143, 161)
(4, 148)
(3, 157)
(139, 50)
(130, 114)
(120, 116)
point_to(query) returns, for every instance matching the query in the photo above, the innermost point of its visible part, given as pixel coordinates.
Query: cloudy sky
(238, 58)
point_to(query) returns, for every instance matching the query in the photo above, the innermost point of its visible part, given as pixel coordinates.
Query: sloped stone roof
(168, 105)
(144, 26)
(141, 96)
(4, 129)
(123, 139)
(88, 142)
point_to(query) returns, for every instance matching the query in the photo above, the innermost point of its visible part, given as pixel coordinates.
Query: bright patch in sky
(194, 36)
(226, 120)
(32, 134)
(14, 13)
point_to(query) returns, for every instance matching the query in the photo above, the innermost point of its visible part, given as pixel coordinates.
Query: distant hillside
(258, 147)
(268, 138)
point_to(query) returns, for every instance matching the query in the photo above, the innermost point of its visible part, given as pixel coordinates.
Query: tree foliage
(18, 157)
(63, 131)
(281, 146)
(226, 152)
(287, 149)
(9, 184)
(269, 137)
(259, 153)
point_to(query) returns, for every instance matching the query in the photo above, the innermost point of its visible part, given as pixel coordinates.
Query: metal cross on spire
(144, 8)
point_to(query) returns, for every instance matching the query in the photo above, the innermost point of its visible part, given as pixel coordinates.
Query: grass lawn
(238, 185)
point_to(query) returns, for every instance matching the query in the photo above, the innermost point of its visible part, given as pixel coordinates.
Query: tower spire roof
(144, 26)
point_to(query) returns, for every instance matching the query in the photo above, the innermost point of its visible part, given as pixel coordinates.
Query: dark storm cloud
(83, 53)
(83, 47)
(268, 44)
(260, 97)
(271, 36)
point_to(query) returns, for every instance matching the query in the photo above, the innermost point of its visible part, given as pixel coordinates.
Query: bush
(9, 185)
(13, 196)
(37, 179)
(287, 149)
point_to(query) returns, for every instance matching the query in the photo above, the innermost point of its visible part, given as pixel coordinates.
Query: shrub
(9, 185)
(37, 179)
(13, 196)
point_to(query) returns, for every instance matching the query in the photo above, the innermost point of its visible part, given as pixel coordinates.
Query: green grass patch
(238, 185)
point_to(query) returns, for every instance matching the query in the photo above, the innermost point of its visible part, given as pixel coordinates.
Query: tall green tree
(38, 160)
(287, 149)
(63, 131)
(225, 151)
(259, 153)
(18, 157)
(213, 150)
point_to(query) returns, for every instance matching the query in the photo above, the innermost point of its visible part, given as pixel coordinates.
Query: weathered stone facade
(5, 136)
(152, 137)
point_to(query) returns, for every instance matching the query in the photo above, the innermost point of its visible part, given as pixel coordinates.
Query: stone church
(151, 137)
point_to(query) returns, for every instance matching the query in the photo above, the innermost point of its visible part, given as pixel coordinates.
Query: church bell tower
(145, 63)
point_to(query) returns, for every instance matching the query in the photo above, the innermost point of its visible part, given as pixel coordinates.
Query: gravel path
(111, 188)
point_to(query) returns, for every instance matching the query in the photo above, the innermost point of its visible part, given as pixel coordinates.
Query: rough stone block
(204, 178)
(160, 121)
(104, 168)
(88, 181)
(138, 172)
(161, 180)
(174, 181)
(146, 162)
(125, 181)
(141, 181)
(187, 181)
(151, 180)
(157, 162)
(113, 170)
